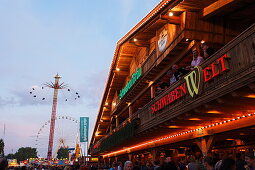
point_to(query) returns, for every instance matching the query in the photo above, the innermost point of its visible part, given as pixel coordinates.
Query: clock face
(162, 40)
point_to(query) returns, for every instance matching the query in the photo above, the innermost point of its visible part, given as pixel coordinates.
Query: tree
(10, 156)
(1, 147)
(62, 153)
(25, 153)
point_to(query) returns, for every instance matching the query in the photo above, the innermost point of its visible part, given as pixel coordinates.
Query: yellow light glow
(106, 103)
(171, 14)
(202, 42)
(194, 118)
(117, 69)
(94, 159)
(187, 39)
(250, 96)
(214, 112)
(114, 104)
(135, 39)
(150, 83)
(173, 127)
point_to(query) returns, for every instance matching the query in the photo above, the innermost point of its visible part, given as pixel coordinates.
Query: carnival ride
(66, 134)
(51, 125)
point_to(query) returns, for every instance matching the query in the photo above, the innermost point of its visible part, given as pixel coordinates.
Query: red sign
(173, 95)
(194, 82)
(217, 67)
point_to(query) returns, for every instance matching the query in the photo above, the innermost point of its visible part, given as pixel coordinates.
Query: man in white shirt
(197, 60)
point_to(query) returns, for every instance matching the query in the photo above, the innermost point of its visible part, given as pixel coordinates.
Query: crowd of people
(177, 72)
(192, 162)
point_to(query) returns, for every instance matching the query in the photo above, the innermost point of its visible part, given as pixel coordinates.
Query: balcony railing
(241, 51)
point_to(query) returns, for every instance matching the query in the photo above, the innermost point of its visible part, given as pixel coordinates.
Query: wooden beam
(171, 19)
(140, 43)
(122, 73)
(216, 7)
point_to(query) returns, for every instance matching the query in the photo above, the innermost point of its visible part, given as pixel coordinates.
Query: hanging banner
(84, 129)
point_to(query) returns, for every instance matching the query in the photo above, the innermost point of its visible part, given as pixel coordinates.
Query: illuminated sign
(131, 82)
(84, 129)
(173, 95)
(193, 82)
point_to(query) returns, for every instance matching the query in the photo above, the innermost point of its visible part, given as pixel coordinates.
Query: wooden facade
(166, 36)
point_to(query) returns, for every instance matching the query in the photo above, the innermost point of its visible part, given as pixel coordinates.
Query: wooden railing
(241, 51)
(151, 59)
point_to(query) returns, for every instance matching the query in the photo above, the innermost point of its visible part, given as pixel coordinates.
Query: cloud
(24, 98)
(92, 89)
(90, 92)
(7, 101)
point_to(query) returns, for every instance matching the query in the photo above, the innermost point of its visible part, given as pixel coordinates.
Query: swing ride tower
(56, 86)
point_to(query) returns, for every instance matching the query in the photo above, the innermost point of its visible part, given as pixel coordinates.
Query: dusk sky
(74, 38)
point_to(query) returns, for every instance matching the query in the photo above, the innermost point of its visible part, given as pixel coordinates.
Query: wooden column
(116, 159)
(154, 153)
(110, 162)
(110, 127)
(130, 157)
(152, 91)
(117, 121)
(104, 162)
(130, 112)
(205, 145)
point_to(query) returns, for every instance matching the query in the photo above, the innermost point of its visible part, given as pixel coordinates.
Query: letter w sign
(194, 81)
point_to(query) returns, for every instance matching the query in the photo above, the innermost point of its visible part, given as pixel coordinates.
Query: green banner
(84, 129)
(131, 82)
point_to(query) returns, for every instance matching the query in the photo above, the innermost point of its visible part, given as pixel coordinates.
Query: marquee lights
(179, 134)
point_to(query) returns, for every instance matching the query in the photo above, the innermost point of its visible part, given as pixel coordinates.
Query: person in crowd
(3, 163)
(172, 78)
(156, 165)
(161, 86)
(196, 162)
(240, 163)
(114, 166)
(228, 164)
(249, 159)
(148, 166)
(188, 68)
(137, 166)
(216, 158)
(192, 165)
(182, 164)
(208, 51)
(178, 72)
(128, 165)
(168, 164)
(197, 59)
(208, 163)
(120, 166)
(220, 156)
